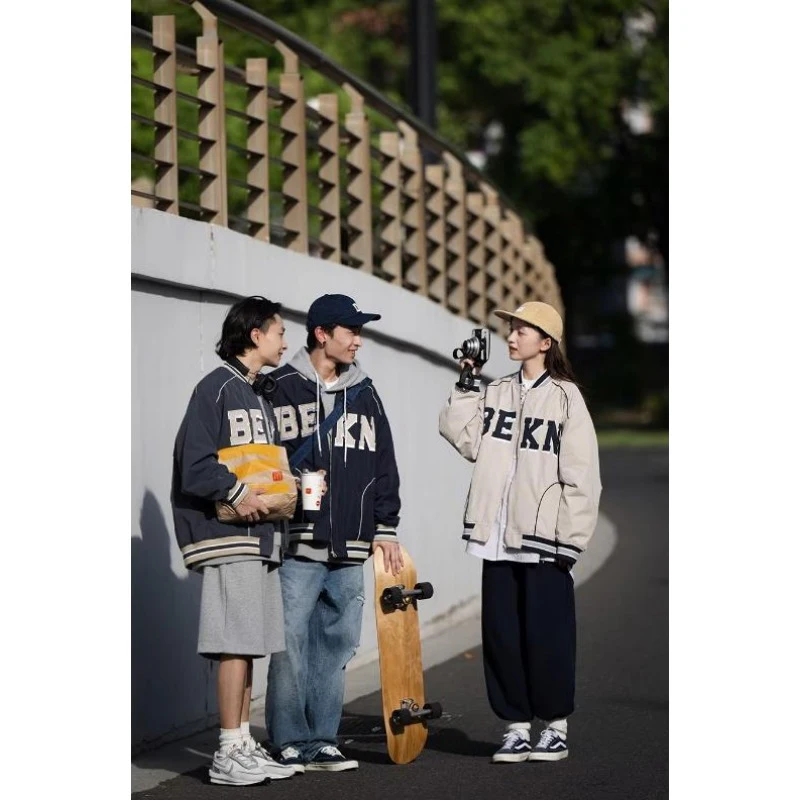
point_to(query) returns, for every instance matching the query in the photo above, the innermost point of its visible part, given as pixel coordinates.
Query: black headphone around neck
(264, 384)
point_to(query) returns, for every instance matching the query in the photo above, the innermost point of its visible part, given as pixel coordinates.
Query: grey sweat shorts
(241, 610)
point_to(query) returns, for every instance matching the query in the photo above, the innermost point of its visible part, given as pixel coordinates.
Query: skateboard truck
(399, 597)
(410, 712)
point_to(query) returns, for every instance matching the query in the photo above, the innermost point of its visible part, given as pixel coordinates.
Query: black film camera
(475, 348)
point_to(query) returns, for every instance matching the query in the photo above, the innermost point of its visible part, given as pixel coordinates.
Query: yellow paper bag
(265, 469)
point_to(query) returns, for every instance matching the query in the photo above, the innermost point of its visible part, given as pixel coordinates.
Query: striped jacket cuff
(385, 533)
(237, 493)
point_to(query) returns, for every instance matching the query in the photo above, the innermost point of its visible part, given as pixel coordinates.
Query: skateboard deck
(405, 713)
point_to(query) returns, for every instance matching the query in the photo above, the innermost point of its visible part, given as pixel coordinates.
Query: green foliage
(555, 73)
(632, 437)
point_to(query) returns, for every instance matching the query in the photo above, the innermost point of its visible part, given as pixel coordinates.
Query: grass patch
(630, 437)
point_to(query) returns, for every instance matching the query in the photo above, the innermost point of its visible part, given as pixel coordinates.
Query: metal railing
(341, 177)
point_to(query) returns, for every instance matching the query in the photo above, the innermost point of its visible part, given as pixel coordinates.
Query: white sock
(522, 727)
(245, 729)
(229, 737)
(559, 725)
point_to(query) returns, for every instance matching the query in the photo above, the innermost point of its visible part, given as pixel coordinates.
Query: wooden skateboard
(405, 713)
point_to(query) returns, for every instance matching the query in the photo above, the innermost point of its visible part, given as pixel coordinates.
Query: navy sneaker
(290, 757)
(552, 746)
(329, 759)
(516, 747)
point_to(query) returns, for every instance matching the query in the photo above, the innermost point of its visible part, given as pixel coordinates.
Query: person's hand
(392, 557)
(271, 502)
(248, 509)
(476, 370)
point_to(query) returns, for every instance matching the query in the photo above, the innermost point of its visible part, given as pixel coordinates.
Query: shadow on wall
(164, 620)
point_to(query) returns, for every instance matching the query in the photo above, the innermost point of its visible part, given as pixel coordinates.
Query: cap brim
(356, 320)
(363, 318)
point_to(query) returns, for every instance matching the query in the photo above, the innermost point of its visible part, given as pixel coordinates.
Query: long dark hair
(555, 361)
(252, 312)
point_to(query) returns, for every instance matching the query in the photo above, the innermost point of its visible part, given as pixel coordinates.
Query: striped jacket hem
(195, 554)
(546, 548)
(355, 549)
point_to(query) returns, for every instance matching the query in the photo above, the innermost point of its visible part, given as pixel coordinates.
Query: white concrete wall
(185, 275)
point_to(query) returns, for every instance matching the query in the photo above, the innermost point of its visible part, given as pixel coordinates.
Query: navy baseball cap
(337, 309)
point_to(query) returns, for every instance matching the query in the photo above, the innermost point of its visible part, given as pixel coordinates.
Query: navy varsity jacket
(224, 411)
(362, 503)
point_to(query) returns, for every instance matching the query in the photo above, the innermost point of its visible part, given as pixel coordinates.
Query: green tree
(557, 75)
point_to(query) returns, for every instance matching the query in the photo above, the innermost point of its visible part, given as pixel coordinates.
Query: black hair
(252, 312)
(311, 339)
(555, 361)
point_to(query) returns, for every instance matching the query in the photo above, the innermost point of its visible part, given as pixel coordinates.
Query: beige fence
(345, 175)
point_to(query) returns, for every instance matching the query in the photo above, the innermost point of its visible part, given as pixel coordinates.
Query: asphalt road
(619, 733)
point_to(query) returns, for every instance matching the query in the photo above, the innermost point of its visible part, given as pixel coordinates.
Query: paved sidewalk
(619, 734)
(150, 769)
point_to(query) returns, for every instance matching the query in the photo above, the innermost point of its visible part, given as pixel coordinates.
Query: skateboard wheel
(434, 710)
(402, 717)
(392, 596)
(426, 590)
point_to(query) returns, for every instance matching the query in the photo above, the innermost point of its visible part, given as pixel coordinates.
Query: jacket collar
(262, 384)
(542, 379)
(238, 366)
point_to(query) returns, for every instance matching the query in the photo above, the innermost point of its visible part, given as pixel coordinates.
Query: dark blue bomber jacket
(362, 503)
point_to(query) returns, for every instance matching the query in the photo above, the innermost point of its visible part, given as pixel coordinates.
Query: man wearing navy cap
(331, 418)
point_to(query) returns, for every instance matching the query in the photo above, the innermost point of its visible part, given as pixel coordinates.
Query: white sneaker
(552, 746)
(234, 767)
(269, 766)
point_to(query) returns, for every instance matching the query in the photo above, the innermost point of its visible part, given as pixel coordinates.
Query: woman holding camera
(531, 510)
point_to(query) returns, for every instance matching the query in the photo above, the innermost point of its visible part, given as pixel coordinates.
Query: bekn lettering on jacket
(549, 437)
(354, 431)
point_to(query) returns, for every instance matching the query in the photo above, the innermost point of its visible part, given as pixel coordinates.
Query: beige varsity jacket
(548, 442)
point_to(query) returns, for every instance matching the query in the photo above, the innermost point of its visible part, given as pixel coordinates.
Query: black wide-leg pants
(528, 624)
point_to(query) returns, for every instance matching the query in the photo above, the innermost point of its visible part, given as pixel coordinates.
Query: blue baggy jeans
(323, 606)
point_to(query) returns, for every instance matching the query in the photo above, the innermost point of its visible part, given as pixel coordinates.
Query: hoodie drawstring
(344, 417)
(319, 415)
(319, 439)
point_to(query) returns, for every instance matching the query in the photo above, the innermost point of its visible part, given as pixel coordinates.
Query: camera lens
(471, 347)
